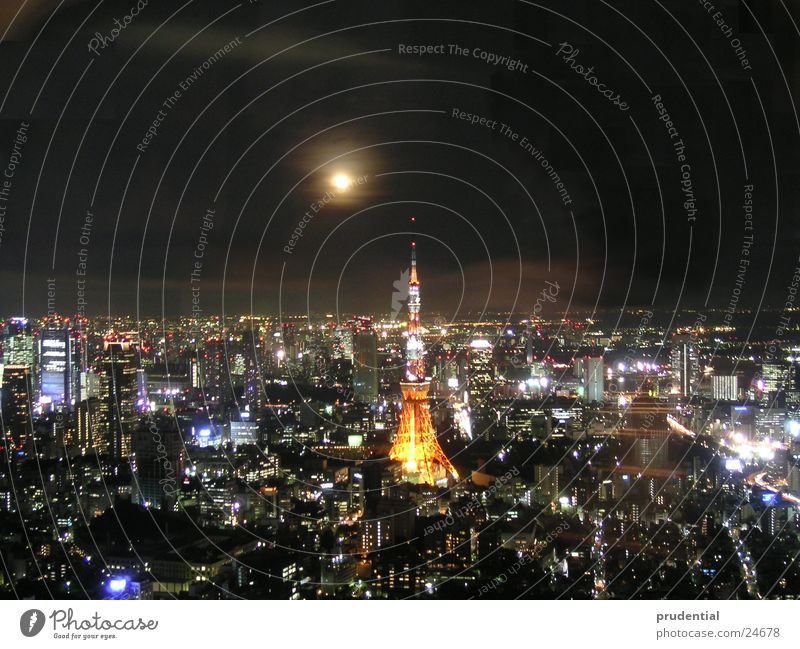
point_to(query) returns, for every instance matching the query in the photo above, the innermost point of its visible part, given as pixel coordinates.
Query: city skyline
(347, 300)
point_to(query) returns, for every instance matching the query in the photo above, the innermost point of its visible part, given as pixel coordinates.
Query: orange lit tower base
(416, 445)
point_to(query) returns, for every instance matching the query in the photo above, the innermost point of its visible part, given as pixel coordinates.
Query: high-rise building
(579, 368)
(157, 463)
(548, 481)
(770, 419)
(529, 335)
(91, 427)
(593, 378)
(59, 368)
(16, 393)
(244, 432)
(725, 388)
(793, 479)
(392, 523)
(252, 393)
(775, 376)
(342, 347)
(215, 371)
(289, 340)
(18, 345)
(194, 373)
(118, 396)
(793, 382)
(685, 364)
(89, 385)
(365, 366)
(480, 373)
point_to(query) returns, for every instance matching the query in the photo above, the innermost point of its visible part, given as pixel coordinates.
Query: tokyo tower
(415, 444)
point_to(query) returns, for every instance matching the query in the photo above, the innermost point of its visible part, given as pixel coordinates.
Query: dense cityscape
(305, 302)
(401, 455)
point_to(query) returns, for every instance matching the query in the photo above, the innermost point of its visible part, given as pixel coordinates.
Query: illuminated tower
(415, 444)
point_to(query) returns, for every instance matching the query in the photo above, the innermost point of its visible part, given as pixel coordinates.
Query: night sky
(310, 90)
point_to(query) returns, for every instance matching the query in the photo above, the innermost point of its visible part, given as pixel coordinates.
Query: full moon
(342, 181)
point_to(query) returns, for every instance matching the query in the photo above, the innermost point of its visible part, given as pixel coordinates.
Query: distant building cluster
(252, 457)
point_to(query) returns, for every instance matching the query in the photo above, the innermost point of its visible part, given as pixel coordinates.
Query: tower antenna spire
(413, 278)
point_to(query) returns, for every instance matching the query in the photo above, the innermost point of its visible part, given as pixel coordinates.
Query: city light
(117, 585)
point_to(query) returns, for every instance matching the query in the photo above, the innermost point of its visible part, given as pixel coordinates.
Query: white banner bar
(138, 624)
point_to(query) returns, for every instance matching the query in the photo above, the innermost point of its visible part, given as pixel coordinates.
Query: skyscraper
(685, 368)
(16, 392)
(725, 388)
(90, 425)
(593, 379)
(215, 371)
(89, 385)
(365, 366)
(118, 396)
(342, 346)
(18, 347)
(480, 373)
(59, 368)
(157, 463)
(775, 376)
